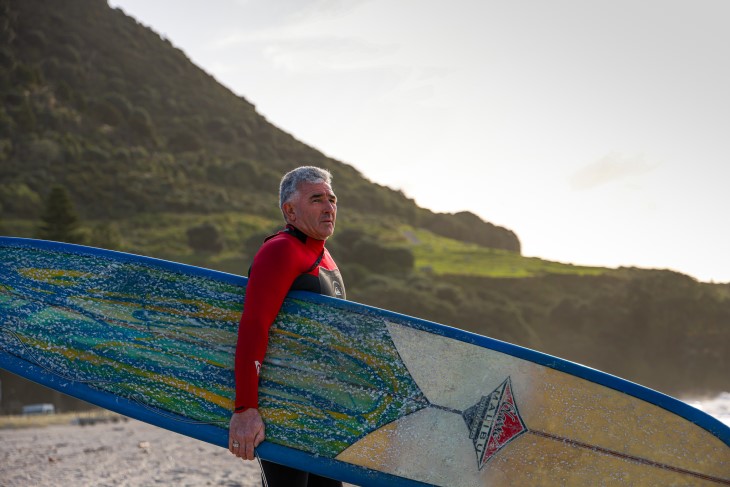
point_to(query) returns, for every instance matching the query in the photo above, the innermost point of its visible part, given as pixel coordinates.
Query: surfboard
(347, 391)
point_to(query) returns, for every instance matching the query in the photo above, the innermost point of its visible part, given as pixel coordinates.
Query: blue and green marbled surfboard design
(164, 338)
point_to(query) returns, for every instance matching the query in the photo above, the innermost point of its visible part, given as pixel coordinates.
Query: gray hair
(304, 174)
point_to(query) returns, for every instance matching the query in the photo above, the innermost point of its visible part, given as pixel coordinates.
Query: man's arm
(273, 271)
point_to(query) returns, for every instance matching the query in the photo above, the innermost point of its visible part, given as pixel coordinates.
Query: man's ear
(289, 213)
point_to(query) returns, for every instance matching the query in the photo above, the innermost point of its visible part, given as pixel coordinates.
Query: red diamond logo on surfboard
(493, 422)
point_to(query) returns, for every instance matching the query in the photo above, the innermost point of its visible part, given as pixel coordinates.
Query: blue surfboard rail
(296, 458)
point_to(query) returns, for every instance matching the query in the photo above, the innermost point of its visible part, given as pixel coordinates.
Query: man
(293, 259)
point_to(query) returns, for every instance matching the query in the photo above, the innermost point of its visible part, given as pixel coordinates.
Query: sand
(124, 453)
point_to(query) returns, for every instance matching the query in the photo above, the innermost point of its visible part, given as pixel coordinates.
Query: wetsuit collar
(302, 237)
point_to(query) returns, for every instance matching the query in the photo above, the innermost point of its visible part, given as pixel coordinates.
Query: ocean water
(718, 406)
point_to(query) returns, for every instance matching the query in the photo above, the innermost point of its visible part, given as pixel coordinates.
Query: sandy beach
(56, 450)
(122, 453)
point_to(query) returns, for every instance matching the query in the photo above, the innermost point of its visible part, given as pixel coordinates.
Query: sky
(599, 132)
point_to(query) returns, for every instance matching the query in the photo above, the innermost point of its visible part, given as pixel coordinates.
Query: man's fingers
(232, 444)
(245, 449)
(247, 429)
(250, 451)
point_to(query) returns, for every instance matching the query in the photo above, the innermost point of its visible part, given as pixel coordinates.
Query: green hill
(158, 158)
(105, 107)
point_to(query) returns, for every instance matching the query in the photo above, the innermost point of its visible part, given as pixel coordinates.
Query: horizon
(594, 131)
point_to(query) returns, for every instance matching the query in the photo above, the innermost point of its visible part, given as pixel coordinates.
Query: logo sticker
(493, 422)
(338, 288)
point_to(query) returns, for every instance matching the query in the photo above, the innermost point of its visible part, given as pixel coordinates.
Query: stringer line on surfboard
(495, 421)
(632, 458)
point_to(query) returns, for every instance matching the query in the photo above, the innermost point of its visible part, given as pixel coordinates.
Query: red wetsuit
(286, 261)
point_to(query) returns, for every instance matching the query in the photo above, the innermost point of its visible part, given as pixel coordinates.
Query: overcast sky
(598, 131)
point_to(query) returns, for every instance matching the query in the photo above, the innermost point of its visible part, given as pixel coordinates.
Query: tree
(205, 238)
(59, 220)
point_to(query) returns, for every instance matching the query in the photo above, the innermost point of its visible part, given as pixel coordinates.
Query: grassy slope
(441, 255)
(164, 236)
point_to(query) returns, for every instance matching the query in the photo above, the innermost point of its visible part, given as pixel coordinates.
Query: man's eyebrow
(320, 195)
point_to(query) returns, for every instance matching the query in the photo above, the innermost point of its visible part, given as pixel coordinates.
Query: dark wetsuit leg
(283, 476)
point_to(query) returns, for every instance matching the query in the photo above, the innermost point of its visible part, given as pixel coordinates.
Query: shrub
(106, 113)
(19, 199)
(140, 123)
(35, 38)
(106, 236)
(120, 103)
(7, 60)
(185, 141)
(205, 238)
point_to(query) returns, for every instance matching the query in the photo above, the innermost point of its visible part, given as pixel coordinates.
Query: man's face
(313, 210)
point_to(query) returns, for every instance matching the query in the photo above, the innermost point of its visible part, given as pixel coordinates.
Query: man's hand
(245, 433)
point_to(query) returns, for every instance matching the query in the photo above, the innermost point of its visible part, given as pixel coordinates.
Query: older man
(293, 259)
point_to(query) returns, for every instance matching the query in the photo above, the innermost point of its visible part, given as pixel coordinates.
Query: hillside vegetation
(104, 106)
(157, 158)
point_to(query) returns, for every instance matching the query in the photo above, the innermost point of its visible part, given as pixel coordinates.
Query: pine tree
(59, 220)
